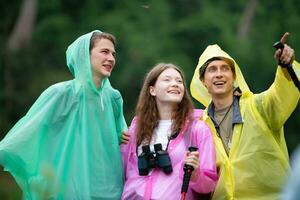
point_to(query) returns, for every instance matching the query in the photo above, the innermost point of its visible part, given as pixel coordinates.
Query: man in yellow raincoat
(252, 157)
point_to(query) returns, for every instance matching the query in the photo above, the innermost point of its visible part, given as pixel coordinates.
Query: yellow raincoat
(258, 163)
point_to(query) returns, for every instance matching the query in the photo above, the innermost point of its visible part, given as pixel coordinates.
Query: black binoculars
(149, 160)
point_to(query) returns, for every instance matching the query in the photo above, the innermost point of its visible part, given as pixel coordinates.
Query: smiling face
(218, 79)
(168, 88)
(102, 57)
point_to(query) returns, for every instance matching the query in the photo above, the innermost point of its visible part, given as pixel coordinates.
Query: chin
(221, 91)
(106, 75)
(177, 101)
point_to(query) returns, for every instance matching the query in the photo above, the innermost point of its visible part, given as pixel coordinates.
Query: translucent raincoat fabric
(67, 145)
(159, 186)
(258, 163)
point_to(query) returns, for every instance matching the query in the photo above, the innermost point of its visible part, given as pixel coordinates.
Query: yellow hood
(198, 90)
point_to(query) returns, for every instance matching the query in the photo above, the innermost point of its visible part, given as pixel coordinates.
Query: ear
(202, 80)
(234, 84)
(152, 91)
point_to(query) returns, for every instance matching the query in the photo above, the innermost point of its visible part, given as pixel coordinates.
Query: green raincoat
(67, 145)
(258, 163)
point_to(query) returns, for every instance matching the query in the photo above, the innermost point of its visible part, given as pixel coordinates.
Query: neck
(165, 110)
(97, 81)
(223, 102)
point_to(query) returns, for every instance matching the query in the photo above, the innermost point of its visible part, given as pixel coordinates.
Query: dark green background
(148, 32)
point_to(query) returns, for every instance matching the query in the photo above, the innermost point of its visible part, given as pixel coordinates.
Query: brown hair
(146, 110)
(101, 35)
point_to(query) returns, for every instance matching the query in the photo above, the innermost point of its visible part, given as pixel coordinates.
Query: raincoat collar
(78, 62)
(198, 90)
(236, 117)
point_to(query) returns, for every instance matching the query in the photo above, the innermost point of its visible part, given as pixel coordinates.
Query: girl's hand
(192, 159)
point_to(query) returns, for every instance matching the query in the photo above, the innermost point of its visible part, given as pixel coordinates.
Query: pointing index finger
(284, 37)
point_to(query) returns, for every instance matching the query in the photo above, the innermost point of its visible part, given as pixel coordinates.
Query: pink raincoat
(158, 185)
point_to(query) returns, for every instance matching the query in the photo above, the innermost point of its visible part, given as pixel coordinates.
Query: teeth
(174, 92)
(219, 82)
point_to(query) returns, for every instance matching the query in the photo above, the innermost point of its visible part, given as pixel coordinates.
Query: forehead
(104, 43)
(170, 72)
(218, 63)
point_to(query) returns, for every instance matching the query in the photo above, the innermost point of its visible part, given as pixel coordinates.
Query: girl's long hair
(146, 110)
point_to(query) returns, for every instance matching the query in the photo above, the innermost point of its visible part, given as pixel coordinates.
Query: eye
(211, 69)
(225, 68)
(179, 81)
(105, 51)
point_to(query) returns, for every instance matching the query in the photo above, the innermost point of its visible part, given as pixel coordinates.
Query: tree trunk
(246, 20)
(18, 39)
(23, 28)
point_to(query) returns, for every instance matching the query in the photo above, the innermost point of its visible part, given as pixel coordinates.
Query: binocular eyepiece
(149, 160)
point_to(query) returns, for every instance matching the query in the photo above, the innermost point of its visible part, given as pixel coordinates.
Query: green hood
(78, 61)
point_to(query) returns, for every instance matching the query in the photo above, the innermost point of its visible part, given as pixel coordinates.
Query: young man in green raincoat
(252, 157)
(67, 145)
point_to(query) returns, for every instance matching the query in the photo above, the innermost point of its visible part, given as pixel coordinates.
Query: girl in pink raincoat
(165, 118)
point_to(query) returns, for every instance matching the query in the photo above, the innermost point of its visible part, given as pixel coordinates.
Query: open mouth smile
(219, 83)
(174, 91)
(108, 67)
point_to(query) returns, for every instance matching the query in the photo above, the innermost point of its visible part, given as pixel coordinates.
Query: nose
(111, 58)
(174, 83)
(219, 73)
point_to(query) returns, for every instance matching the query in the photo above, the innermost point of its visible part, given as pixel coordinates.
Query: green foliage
(148, 32)
(8, 189)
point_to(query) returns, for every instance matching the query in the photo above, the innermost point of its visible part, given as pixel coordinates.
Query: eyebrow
(223, 65)
(168, 76)
(105, 48)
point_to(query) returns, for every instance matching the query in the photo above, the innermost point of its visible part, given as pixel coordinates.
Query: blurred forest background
(35, 34)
